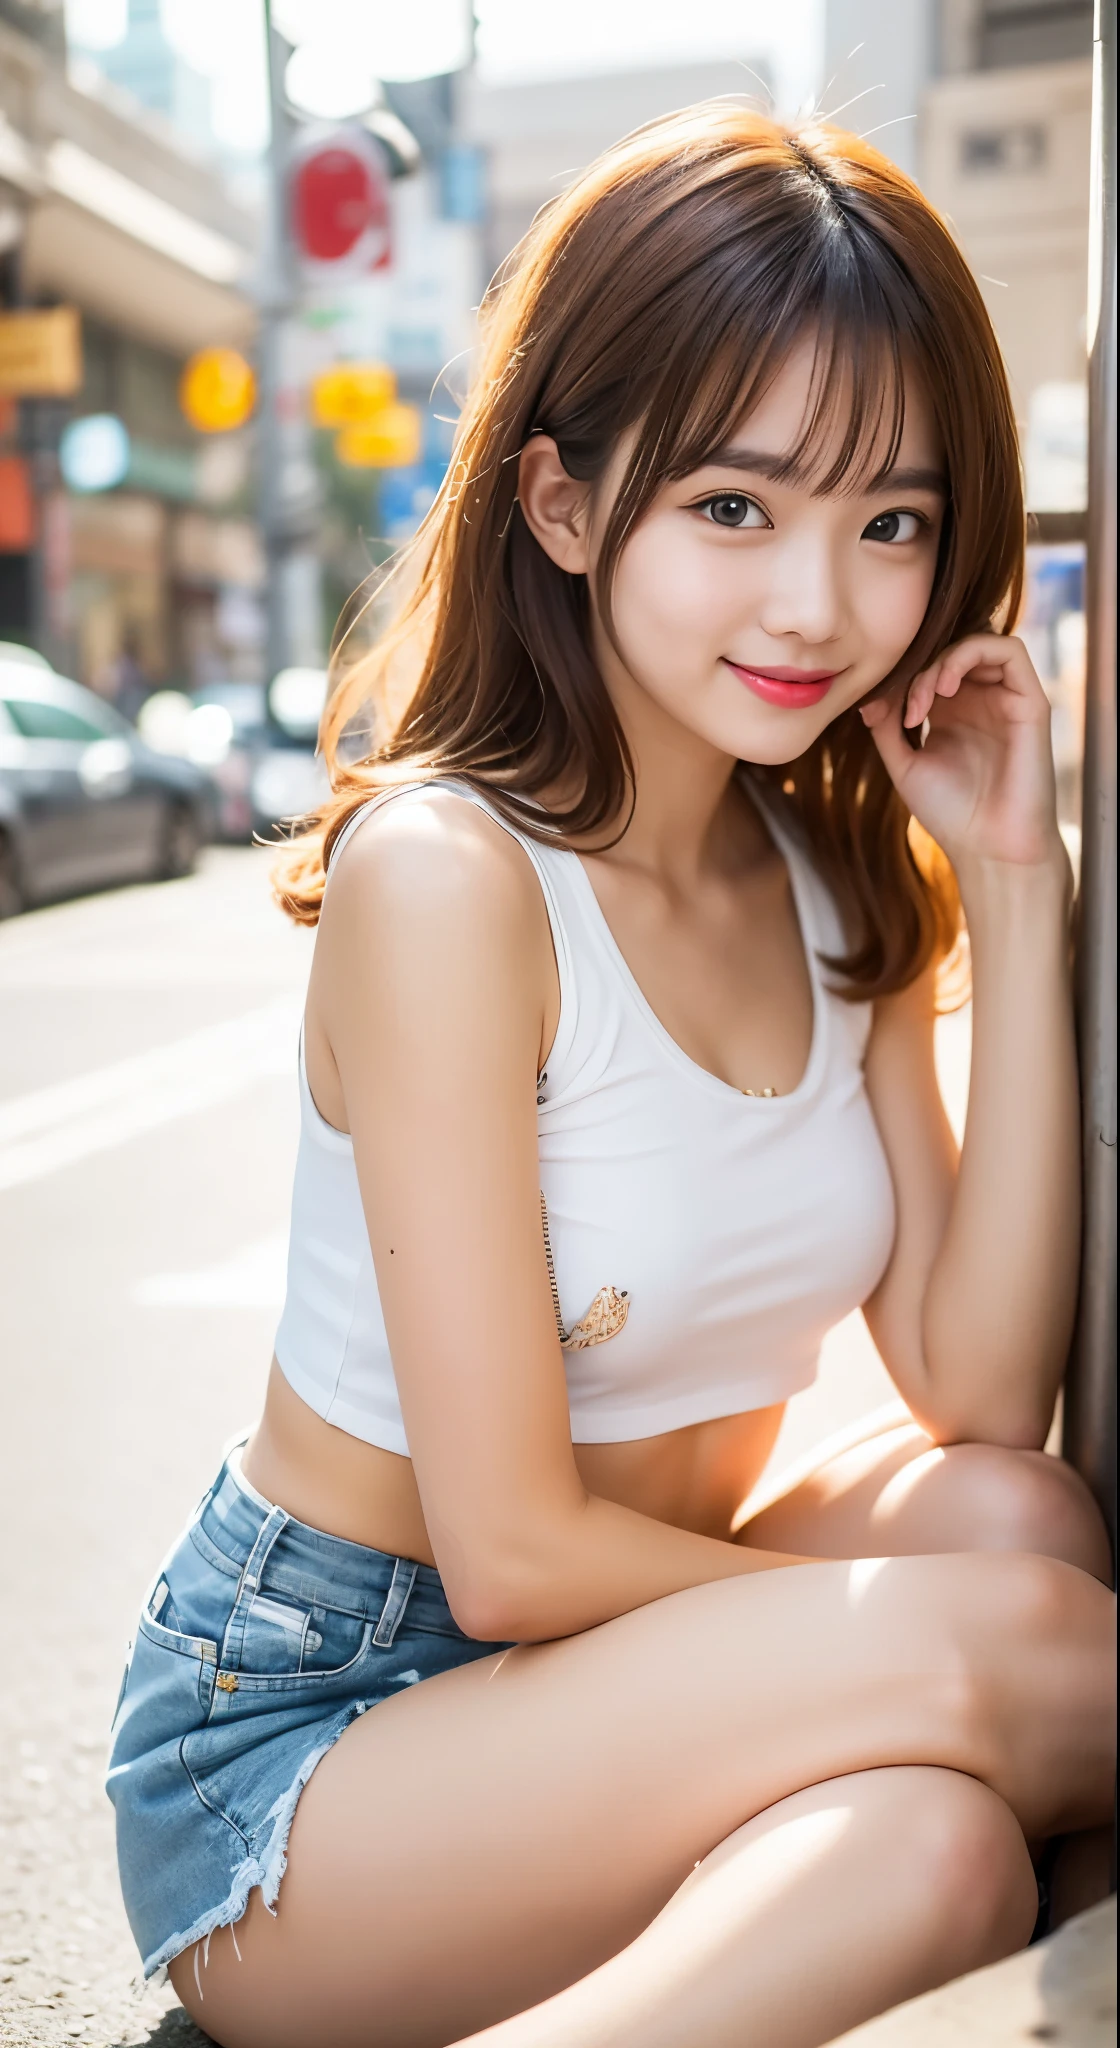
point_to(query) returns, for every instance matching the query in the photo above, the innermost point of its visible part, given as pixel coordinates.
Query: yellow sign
(349, 394)
(41, 353)
(389, 441)
(217, 390)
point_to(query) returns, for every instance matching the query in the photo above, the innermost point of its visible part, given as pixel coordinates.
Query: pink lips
(792, 688)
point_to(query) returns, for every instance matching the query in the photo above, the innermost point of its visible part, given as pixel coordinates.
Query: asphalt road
(148, 1117)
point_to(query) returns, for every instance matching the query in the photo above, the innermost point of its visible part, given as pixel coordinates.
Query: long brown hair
(662, 292)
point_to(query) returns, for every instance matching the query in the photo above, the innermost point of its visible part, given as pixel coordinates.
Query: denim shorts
(259, 1643)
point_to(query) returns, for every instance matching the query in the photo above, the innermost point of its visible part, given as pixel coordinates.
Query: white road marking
(217, 926)
(245, 964)
(58, 1126)
(252, 1278)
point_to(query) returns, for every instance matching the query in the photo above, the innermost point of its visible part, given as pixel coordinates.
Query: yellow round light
(217, 390)
(392, 440)
(349, 394)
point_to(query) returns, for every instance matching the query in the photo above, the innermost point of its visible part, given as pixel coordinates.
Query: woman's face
(753, 611)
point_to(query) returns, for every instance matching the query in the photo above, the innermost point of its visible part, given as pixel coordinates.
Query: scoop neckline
(795, 865)
(767, 1105)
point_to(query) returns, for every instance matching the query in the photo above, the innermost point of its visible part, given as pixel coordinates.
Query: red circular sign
(337, 199)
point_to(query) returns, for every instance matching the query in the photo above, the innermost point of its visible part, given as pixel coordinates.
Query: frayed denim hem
(264, 1870)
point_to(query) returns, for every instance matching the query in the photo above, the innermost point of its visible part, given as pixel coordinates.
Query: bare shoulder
(433, 924)
(435, 857)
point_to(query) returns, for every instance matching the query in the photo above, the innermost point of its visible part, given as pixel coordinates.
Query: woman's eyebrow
(910, 480)
(776, 468)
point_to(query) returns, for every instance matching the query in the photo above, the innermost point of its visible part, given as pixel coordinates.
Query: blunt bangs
(832, 285)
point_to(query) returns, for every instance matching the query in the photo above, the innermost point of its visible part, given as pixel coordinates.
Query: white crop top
(702, 1241)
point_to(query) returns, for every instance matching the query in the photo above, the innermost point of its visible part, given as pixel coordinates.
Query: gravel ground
(67, 1960)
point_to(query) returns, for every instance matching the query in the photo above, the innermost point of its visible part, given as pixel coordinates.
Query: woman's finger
(992, 657)
(918, 697)
(920, 703)
(885, 726)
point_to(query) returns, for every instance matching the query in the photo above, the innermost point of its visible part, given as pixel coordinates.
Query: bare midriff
(695, 1478)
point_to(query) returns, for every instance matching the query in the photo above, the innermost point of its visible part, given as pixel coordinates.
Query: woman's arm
(434, 974)
(975, 1312)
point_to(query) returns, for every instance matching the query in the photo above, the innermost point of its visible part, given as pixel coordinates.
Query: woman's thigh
(491, 1835)
(897, 1494)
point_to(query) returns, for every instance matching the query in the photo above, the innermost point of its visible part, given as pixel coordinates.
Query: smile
(792, 688)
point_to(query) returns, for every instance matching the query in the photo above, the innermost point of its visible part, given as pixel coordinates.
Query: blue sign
(94, 452)
(1055, 582)
(462, 182)
(403, 496)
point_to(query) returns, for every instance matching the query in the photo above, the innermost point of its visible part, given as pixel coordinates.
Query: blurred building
(106, 206)
(987, 104)
(1004, 152)
(879, 57)
(146, 66)
(538, 135)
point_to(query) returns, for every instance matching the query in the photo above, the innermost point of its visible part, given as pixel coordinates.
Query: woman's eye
(732, 509)
(893, 526)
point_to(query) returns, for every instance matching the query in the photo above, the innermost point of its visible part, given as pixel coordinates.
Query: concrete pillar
(1090, 1407)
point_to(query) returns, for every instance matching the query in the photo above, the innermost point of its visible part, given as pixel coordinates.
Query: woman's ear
(555, 505)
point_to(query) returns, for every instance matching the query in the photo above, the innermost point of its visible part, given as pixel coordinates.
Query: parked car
(83, 801)
(228, 739)
(14, 650)
(257, 746)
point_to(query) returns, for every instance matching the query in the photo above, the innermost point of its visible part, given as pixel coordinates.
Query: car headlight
(208, 735)
(286, 783)
(163, 720)
(296, 697)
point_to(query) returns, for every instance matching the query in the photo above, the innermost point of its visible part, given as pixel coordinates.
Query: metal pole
(276, 297)
(1089, 1431)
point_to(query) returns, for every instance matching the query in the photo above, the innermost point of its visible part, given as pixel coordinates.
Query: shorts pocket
(160, 1626)
(168, 1687)
(290, 1647)
(159, 1621)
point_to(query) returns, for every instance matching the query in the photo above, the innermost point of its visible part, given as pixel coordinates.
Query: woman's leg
(896, 1493)
(480, 1842)
(825, 1910)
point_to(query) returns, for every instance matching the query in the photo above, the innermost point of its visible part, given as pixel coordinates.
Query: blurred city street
(148, 1119)
(147, 1128)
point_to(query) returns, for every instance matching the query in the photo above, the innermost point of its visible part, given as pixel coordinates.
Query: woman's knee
(967, 1870)
(1029, 1501)
(1036, 1663)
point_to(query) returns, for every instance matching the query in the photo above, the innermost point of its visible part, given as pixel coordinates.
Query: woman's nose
(804, 597)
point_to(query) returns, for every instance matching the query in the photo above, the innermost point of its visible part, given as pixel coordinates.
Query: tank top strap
(544, 860)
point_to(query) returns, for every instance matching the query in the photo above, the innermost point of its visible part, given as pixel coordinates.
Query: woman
(617, 1091)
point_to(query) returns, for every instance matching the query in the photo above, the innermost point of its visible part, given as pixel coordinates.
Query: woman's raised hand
(983, 783)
